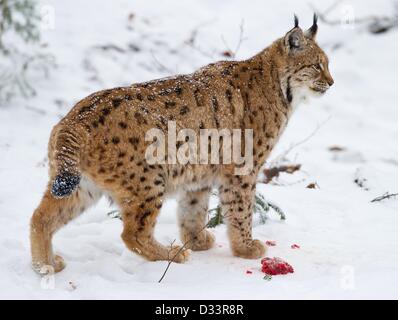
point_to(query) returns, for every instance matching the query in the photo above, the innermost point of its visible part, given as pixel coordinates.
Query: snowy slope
(349, 246)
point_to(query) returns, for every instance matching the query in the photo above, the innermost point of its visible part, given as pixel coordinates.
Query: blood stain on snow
(270, 243)
(72, 286)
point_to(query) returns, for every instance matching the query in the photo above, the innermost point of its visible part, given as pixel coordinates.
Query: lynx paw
(178, 254)
(203, 241)
(45, 269)
(253, 250)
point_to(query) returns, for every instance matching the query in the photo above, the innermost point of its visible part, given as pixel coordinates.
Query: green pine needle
(267, 277)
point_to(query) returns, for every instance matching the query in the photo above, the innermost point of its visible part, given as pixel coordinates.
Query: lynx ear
(295, 39)
(311, 32)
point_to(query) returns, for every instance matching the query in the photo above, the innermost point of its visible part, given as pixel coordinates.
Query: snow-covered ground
(349, 246)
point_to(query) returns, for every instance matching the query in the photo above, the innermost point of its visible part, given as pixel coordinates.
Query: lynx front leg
(237, 199)
(192, 217)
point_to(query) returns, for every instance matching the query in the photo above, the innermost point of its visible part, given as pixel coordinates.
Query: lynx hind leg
(139, 214)
(193, 217)
(50, 216)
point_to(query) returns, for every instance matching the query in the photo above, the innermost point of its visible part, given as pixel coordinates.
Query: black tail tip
(64, 184)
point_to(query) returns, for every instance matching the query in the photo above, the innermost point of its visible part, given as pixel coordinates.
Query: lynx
(99, 148)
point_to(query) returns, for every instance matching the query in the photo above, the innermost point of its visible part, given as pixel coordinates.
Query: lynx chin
(99, 149)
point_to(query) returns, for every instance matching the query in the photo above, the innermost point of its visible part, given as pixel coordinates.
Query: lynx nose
(330, 81)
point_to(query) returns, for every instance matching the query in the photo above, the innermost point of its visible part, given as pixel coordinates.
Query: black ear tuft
(296, 21)
(311, 32)
(315, 22)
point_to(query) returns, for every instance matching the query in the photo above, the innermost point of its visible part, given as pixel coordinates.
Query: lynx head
(305, 65)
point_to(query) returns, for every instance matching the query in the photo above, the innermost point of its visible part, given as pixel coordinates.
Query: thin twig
(191, 41)
(295, 145)
(241, 37)
(238, 45)
(161, 66)
(183, 247)
(201, 51)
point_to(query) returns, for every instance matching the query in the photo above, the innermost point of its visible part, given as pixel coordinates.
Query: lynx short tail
(66, 159)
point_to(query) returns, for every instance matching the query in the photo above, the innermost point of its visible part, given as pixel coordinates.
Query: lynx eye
(317, 67)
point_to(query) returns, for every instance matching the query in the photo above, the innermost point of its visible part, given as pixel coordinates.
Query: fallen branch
(387, 195)
(274, 172)
(110, 47)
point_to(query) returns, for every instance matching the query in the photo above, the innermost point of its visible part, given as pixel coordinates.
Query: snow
(348, 245)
